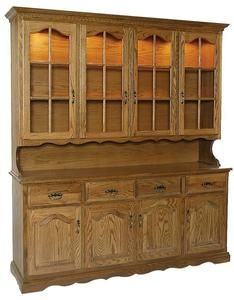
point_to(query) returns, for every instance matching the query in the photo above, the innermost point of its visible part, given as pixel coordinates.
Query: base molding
(38, 283)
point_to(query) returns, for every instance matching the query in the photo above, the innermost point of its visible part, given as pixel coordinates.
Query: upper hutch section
(81, 77)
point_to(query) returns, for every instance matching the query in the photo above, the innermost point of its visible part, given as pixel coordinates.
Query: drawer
(110, 190)
(205, 183)
(159, 186)
(54, 193)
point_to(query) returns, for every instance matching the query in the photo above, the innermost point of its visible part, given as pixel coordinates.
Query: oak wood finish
(56, 229)
(160, 228)
(113, 123)
(110, 190)
(159, 186)
(205, 215)
(54, 194)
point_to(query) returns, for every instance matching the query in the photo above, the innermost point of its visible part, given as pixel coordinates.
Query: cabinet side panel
(16, 82)
(18, 224)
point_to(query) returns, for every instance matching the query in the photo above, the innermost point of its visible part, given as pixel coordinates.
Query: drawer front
(49, 194)
(159, 186)
(205, 183)
(110, 190)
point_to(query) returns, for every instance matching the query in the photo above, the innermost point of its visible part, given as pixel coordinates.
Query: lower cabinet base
(41, 282)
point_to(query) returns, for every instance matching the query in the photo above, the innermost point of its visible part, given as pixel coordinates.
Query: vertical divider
(171, 91)
(104, 82)
(124, 82)
(199, 84)
(154, 82)
(181, 81)
(82, 80)
(132, 65)
(74, 74)
(50, 82)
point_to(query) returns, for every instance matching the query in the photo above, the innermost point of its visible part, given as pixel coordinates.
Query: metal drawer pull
(160, 188)
(55, 196)
(207, 184)
(113, 192)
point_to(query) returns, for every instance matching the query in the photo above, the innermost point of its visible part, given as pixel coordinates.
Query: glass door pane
(106, 97)
(199, 84)
(50, 81)
(153, 95)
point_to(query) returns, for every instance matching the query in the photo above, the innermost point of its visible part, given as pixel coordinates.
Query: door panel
(53, 240)
(160, 228)
(109, 234)
(199, 91)
(49, 89)
(154, 83)
(205, 222)
(105, 97)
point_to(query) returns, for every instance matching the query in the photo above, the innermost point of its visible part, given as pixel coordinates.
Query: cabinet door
(104, 67)
(205, 222)
(53, 240)
(49, 80)
(160, 228)
(199, 86)
(154, 86)
(109, 234)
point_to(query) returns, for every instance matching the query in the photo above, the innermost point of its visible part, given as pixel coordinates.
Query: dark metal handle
(73, 96)
(135, 97)
(111, 191)
(182, 97)
(207, 184)
(55, 196)
(125, 97)
(78, 226)
(160, 188)
(140, 219)
(131, 221)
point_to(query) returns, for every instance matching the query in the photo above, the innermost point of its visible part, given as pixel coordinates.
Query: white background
(207, 281)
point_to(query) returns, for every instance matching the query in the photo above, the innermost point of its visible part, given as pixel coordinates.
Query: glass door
(198, 95)
(49, 80)
(154, 86)
(105, 110)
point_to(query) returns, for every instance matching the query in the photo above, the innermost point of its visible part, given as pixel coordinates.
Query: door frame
(67, 29)
(125, 82)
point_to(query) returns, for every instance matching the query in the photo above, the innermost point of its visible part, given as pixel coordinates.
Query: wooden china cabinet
(113, 122)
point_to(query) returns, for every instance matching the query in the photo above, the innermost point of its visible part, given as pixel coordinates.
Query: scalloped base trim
(38, 283)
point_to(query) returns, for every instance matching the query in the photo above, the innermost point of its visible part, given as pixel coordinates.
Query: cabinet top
(73, 17)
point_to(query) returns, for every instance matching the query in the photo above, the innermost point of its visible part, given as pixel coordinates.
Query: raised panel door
(49, 80)
(109, 234)
(160, 228)
(54, 240)
(205, 223)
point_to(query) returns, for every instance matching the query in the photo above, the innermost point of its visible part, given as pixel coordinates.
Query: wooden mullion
(154, 81)
(171, 96)
(199, 84)
(123, 88)
(104, 83)
(50, 82)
